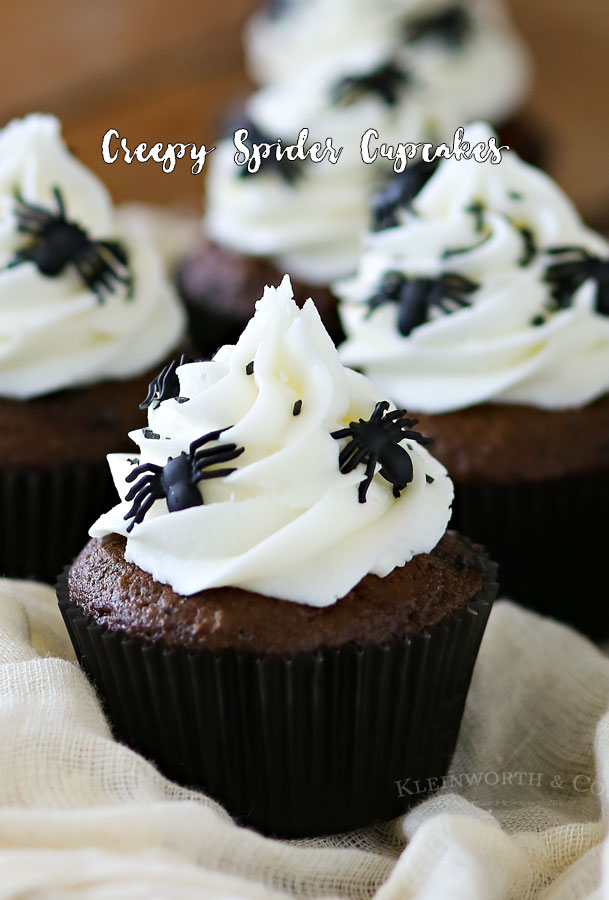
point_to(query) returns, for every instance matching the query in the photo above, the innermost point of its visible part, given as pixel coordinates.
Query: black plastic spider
(289, 169)
(574, 267)
(166, 385)
(386, 81)
(57, 243)
(378, 441)
(177, 480)
(416, 297)
(399, 192)
(451, 26)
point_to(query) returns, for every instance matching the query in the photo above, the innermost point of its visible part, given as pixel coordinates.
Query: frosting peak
(288, 521)
(83, 295)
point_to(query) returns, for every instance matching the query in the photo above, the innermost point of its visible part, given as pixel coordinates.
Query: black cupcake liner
(549, 539)
(46, 513)
(313, 744)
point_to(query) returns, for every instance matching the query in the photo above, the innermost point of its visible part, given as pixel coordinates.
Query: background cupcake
(413, 74)
(275, 632)
(85, 313)
(484, 305)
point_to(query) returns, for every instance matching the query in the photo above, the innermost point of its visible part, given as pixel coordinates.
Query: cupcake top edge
(274, 468)
(480, 283)
(84, 296)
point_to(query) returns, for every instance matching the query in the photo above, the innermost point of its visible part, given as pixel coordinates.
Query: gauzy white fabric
(82, 816)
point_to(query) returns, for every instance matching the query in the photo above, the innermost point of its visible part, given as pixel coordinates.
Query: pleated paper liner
(315, 744)
(550, 541)
(46, 513)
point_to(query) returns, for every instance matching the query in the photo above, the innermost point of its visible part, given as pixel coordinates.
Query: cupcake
(275, 612)
(409, 74)
(86, 313)
(484, 307)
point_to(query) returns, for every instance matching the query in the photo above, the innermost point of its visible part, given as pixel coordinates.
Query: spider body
(57, 243)
(177, 481)
(377, 440)
(451, 26)
(386, 82)
(399, 192)
(166, 385)
(574, 267)
(416, 297)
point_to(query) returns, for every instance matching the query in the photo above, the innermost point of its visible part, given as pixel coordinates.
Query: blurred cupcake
(85, 313)
(411, 75)
(274, 611)
(485, 306)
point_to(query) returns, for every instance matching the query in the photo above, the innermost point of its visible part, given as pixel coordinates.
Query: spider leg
(381, 407)
(365, 484)
(207, 438)
(222, 456)
(84, 270)
(342, 433)
(348, 465)
(224, 452)
(31, 208)
(146, 482)
(152, 468)
(417, 437)
(59, 200)
(20, 256)
(139, 509)
(395, 414)
(212, 451)
(347, 452)
(117, 250)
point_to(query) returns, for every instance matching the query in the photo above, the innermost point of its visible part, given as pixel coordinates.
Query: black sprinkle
(133, 461)
(151, 435)
(477, 210)
(530, 246)
(166, 610)
(182, 399)
(456, 251)
(537, 321)
(297, 407)
(429, 479)
(249, 369)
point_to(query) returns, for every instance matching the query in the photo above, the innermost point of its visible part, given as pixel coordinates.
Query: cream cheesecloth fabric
(522, 815)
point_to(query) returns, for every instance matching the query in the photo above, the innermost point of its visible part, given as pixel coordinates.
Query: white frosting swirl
(286, 523)
(313, 228)
(486, 78)
(54, 333)
(490, 350)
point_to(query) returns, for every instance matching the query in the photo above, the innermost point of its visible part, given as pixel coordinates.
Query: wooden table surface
(160, 71)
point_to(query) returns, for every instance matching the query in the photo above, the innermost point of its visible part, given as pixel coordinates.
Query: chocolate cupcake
(275, 612)
(483, 305)
(86, 313)
(413, 76)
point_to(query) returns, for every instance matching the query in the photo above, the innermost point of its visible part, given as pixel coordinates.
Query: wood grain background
(164, 71)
